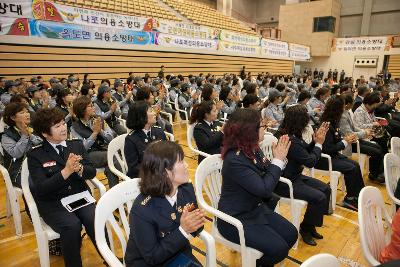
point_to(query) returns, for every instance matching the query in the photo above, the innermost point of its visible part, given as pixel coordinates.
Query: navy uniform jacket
(333, 142)
(135, 144)
(300, 154)
(45, 166)
(155, 238)
(246, 185)
(208, 138)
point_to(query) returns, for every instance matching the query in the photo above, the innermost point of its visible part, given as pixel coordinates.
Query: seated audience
(248, 182)
(364, 118)
(207, 133)
(300, 155)
(164, 217)
(274, 108)
(319, 99)
(372, 149)
(333, 144)
(141, 120)
(230, 101)
(123, 98)
(186, 100)
(95, 135)
(64, 104)
(107, 109)
(251, 101)
(58, 169)
(362, 91)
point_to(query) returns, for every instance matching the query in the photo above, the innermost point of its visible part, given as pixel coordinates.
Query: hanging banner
(274, 44)
(63, 31)
(16, 9)
(271, 52)
(237, 48)
(188, 30)
(88, 17)
(378, 43)
(14, 26)
(299, 55)
(299, 48)
(169, 40)
(234, 37)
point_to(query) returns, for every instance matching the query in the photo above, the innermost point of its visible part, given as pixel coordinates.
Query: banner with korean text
(16, 9)
(237, 38)
(274, 48)
(377, 43)
(169, 40)
(237, 48)
(55, 30)
(14, 26)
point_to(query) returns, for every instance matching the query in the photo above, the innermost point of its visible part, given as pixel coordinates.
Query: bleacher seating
(205, 15)
(144, 8)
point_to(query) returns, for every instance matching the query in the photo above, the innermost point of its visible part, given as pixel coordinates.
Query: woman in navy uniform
(208, 132)
(141, 119)
(332, 146)
(58, 169)
(248, 182)
(316, 193)
(165, 216)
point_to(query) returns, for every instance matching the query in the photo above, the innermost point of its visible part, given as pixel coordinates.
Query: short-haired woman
(248, 182)
(95, 135)
(208, 132)
(64, 104)
(332, 146)
(164, 217)
(17, 139)
(316, 193)
(58, 169)
(141, 120)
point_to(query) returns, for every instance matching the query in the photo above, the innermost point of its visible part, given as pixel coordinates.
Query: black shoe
(351, 204)
(316, 235)
(307, 238)
(377, 178)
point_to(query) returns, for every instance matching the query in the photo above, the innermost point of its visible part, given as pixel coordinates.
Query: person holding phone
(58, 169)
(165, 216)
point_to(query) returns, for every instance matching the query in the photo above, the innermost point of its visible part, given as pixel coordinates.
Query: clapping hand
(191, 221)
(320, 134)
(281, 149)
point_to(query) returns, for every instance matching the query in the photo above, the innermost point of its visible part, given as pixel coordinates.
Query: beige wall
(344, 60)
(296, 22)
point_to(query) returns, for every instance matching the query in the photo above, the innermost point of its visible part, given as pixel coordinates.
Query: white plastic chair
(208, 177)
(391, 163)
(123, 123)
(116, 151)
(180, 110)
(169, 116)
(12, 201)
(189, 136)
(321, 260)
(169, 136)
(374, 222)
(296, 205)
(121, 198)
(43, 232)
(395, 145)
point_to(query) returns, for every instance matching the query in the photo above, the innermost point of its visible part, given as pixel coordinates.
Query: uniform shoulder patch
(144, 201)
(156, 126)
(37, 146)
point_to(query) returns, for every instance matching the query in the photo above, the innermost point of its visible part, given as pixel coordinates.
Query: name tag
(49, 164)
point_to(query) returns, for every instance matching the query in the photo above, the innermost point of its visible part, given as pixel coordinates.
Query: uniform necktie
(149, 135)
(60, 149)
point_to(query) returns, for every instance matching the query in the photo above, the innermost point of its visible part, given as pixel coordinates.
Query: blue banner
(64, 31)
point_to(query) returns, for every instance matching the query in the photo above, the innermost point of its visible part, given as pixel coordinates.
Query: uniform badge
(144, 202)
(180, 210)
(173, 216)
(237, 153)
(145, 140)
(49, 164)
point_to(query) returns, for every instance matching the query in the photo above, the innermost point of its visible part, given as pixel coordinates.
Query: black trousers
(315, 192)
(376, 154)
(69, 226)
(99, 160)
(350, 169)
(274, 239)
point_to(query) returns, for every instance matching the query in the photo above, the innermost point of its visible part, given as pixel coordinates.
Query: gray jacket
(346, 127)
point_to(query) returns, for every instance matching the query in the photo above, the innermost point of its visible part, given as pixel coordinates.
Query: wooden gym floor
(340, 231)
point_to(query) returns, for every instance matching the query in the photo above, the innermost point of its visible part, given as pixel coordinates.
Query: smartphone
(77, 204)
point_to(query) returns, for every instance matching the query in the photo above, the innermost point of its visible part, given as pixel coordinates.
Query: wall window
(324, 24)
